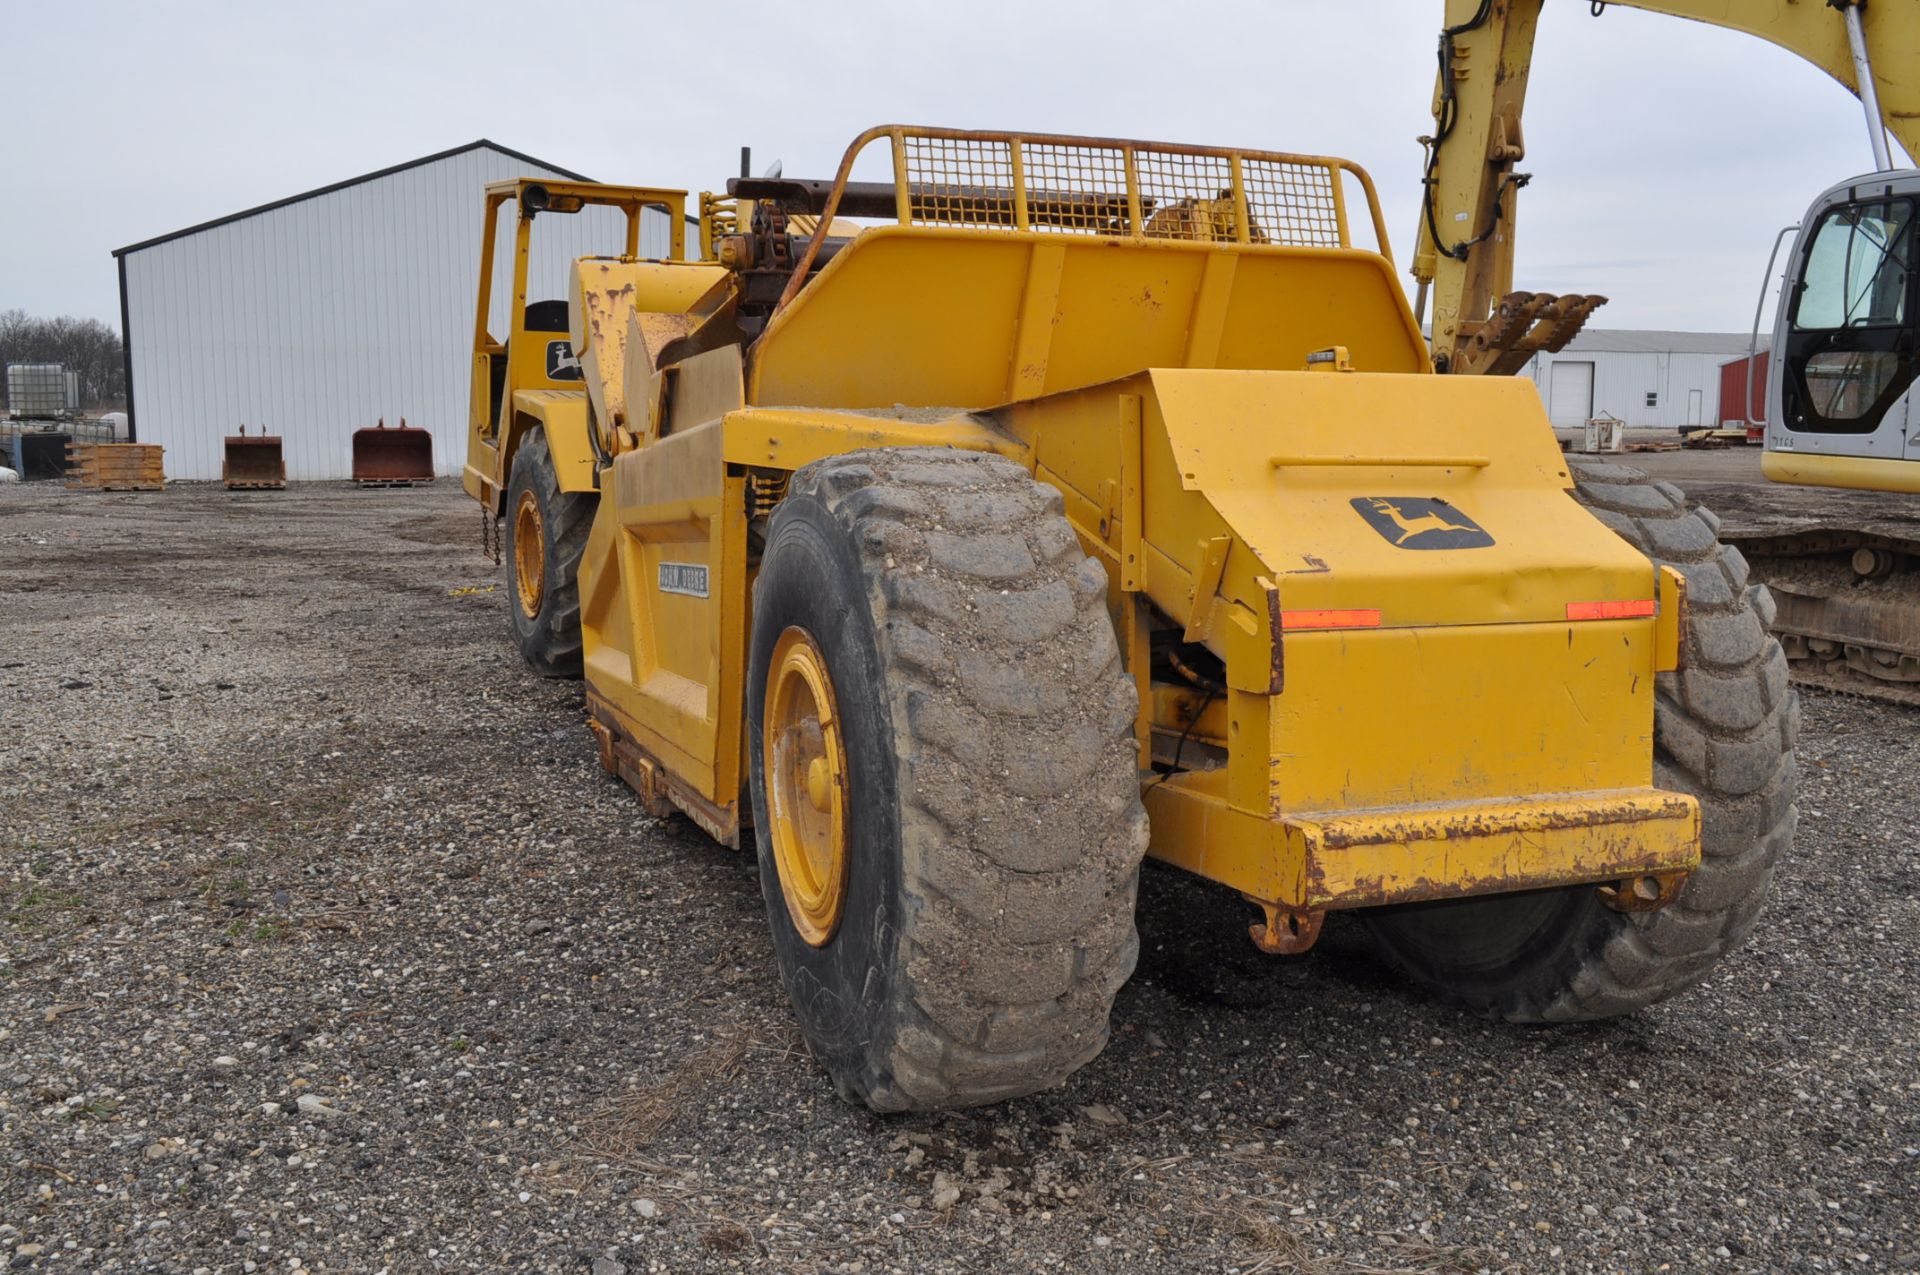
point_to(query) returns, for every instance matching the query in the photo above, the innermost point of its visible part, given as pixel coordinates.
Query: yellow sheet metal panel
(1669, 635)
(772, 438)
(1395, 717)
(705, 388)
(1508, 545)
(604, 292)
(1327, 299)
(959, 330)
(662, 592)
(606, 625)
(610, 286)
(1194, 825)
(563, 414)
(477, 476)
(1433, 517)
(947, 339)
(1431, 500)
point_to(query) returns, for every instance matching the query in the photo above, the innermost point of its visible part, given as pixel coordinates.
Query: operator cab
(1848, 331)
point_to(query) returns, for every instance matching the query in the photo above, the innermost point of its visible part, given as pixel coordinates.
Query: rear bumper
(1367, 858)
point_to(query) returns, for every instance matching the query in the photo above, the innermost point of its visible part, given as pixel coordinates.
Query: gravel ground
(326, 946)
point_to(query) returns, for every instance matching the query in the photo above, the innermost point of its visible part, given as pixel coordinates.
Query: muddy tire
(1723, 731)
(993, 826)
(546, 534)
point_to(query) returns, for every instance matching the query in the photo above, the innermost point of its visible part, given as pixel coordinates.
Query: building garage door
(1570, 392)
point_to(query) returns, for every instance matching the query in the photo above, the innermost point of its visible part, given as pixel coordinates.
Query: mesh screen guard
(1103, 187)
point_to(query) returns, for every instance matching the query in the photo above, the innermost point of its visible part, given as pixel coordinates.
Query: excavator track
(1848, 606)
(1844, 570)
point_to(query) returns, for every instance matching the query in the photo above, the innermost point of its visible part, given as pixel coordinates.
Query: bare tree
(86, 347)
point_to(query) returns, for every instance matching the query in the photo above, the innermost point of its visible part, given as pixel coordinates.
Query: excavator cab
(1841, 413)
(1848, 333)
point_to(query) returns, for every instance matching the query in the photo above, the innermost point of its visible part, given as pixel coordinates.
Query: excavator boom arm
(1463, 256)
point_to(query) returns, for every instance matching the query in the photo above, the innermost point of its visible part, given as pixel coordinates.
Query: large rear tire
(1723, 731)
(949, 823)
(545, 538)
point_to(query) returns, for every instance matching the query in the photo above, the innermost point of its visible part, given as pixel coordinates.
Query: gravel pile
(326, 946)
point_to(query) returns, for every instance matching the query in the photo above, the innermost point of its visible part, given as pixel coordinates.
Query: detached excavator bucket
(398, 457)
(253, 462)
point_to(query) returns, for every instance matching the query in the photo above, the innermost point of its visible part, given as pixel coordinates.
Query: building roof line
(1655, 341)
(482, 143)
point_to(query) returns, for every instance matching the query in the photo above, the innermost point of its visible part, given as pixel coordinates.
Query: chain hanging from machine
(491, 535)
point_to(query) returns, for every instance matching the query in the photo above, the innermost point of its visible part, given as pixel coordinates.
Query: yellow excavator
(1842, 410)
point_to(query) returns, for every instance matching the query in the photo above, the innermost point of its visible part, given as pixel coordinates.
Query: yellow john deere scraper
(963, 537)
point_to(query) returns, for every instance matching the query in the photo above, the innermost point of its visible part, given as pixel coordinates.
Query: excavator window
(1857, 268)
(1851, 349)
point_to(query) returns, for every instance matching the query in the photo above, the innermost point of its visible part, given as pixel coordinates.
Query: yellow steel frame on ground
(1398, 721)
(530, 399)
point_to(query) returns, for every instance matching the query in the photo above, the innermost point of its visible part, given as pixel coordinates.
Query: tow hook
(1648, 892)
(1286, 931)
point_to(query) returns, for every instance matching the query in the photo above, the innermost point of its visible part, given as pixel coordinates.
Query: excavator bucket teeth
(1522, 325)
(397, 457)
(253, 462)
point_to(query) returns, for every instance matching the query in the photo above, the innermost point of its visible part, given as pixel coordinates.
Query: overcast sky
(1665, 155)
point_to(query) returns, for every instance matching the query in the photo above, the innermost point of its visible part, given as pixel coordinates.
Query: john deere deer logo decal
(1420, 522)
(561, 363)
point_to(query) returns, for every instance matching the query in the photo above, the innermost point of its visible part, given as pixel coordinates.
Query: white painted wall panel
(320, 317)
(1623, 378)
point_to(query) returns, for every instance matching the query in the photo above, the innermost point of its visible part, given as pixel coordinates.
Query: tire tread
(553, 646)
(1008, 700)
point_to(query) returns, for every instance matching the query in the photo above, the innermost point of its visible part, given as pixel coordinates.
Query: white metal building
(1650, 380)
(322, 313)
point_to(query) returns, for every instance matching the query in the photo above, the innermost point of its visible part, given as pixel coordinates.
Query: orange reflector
(1636, 610)
(1362, 619)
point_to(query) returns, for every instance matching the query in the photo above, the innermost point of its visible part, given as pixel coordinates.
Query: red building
(1735, 379)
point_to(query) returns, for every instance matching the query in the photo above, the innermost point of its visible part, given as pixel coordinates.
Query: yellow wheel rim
(804, 759)
(529, 554)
